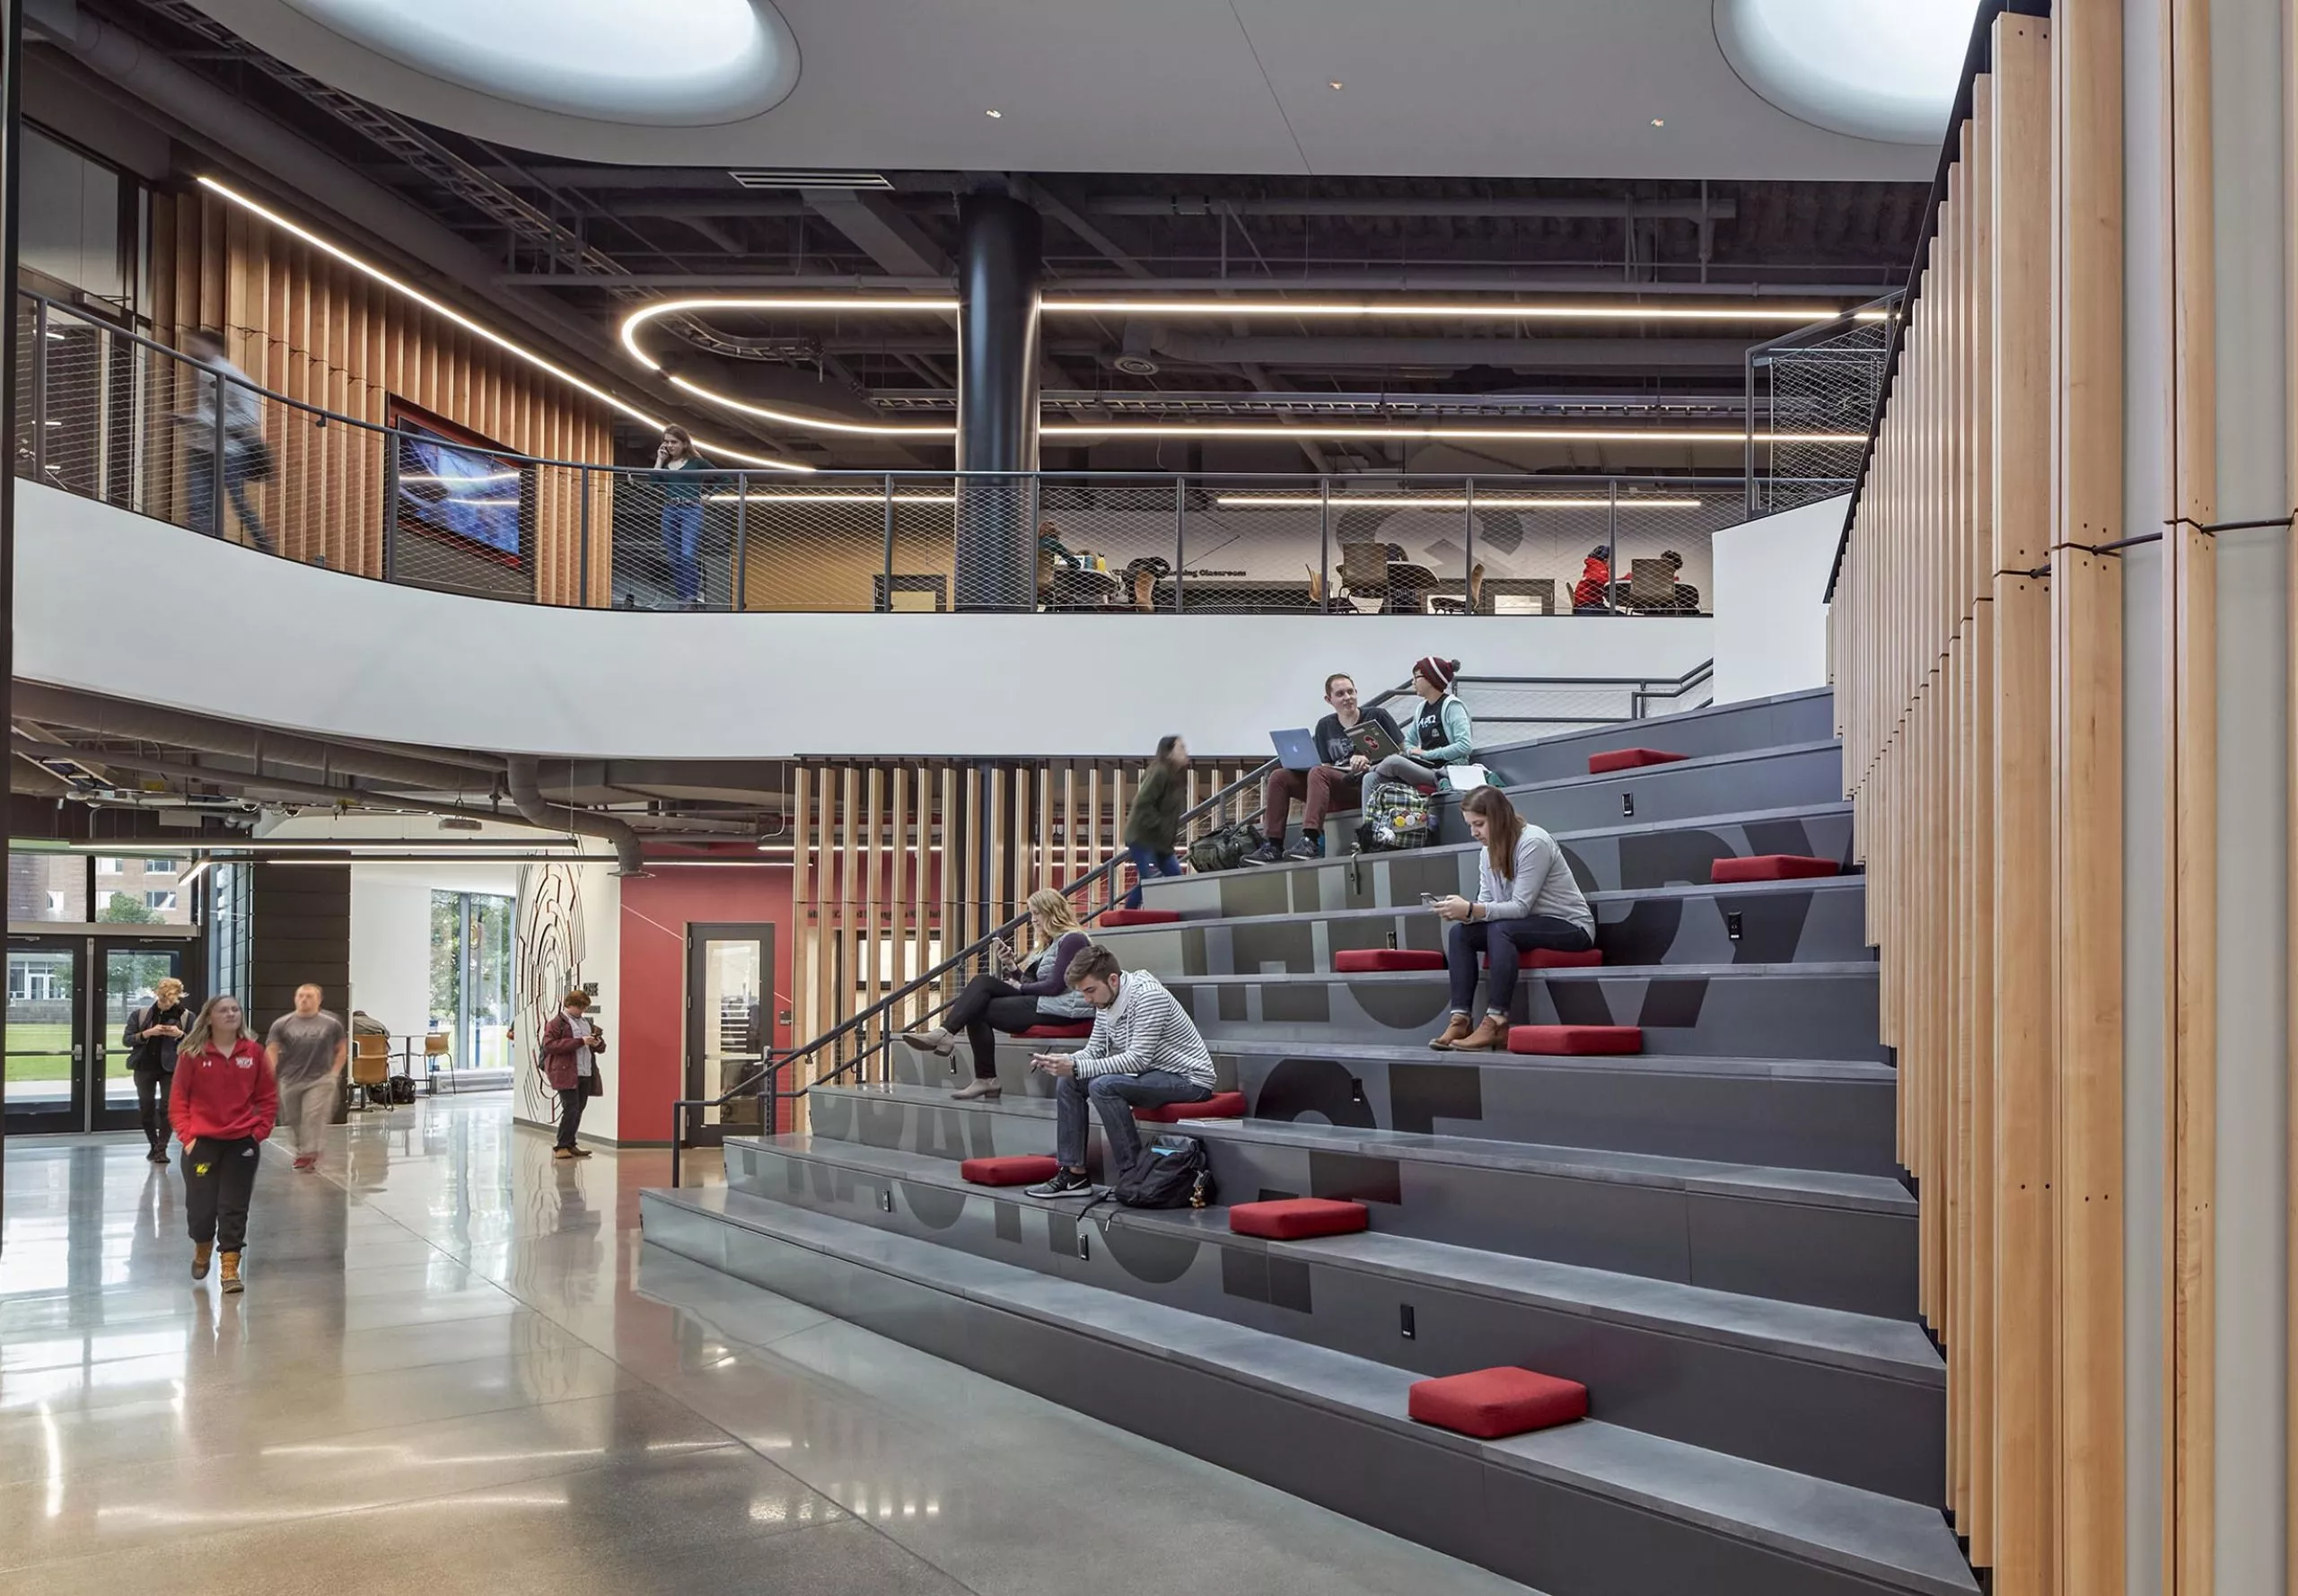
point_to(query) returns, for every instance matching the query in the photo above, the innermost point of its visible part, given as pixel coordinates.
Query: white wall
(570, 930)
(1771, 612)
(364, 659)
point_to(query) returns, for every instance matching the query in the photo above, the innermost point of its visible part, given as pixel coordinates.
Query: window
(164, 866)
(47, 885)
(159, 900)
(55, 903)
(107, 866)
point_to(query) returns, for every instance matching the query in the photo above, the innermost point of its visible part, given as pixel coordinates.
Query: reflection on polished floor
(457, 1368)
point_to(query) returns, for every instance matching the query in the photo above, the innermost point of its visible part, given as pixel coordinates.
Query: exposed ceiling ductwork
(526, 797)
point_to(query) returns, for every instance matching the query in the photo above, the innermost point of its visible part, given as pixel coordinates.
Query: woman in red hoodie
(224, 1104)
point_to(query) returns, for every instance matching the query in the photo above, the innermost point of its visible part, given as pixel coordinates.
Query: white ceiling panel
(1538, 88)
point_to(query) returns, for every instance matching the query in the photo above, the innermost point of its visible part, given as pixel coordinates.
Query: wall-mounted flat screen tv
(451, 487)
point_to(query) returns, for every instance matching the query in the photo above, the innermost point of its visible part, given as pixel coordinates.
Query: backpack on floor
(1171, 1172)
(1225, 849)
(402, 1089)
(1396, 816)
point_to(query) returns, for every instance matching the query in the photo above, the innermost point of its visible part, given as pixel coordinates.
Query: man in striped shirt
(1145, 1052)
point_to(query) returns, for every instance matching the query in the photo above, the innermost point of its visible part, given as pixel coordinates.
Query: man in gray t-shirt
(307, 1049)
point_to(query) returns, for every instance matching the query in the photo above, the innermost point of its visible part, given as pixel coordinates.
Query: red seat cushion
(1075, 1028)
(1291, 1218)
(1575, 1038)
(1019, 1168)
(1138, 917)
(1630, 759)
(1364, 961)
(1771, 867)
(1555, 959)
(1491, 1403)
(1221, 1105)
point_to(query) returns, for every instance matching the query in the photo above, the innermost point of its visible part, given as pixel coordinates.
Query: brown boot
(1457, 1028)
(200, 1253)
(1489, 1037)
(231, 1273)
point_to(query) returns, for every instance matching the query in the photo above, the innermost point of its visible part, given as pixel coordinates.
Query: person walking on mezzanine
(1155, 823)
(222, 1104)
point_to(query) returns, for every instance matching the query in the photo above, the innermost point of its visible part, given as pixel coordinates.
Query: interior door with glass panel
(46, 1049)
(131, 970)
(728, 1021)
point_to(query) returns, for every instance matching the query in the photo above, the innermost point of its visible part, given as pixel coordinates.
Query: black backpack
(1171, 1172)
(1225, 849)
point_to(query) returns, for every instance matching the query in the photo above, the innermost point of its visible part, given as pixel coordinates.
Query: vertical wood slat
(2190, 810)
(2086, 670)
(804, 916)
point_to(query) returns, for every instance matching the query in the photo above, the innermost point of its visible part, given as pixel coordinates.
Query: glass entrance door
(131, 970)
(729, 1016)
(68, 1063)
(45, 1047)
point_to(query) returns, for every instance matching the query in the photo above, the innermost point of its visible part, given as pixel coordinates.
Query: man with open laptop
(1322, 768)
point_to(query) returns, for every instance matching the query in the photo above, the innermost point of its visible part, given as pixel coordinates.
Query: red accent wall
(650, 1038)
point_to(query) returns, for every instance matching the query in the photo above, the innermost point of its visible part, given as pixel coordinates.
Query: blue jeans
(1500, 942)
(1148, 862)
(1114, 1097)
(681, 538)
(200, 487)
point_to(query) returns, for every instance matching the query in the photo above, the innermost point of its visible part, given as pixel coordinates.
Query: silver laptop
(1296, 749)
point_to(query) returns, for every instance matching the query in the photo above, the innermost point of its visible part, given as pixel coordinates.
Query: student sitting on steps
(1040, 994)
(1337, 783)
(1525, 898)
(1440, 736)
(1145, 1052)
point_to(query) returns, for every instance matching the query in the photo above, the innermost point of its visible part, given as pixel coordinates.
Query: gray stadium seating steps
(1711, 1235)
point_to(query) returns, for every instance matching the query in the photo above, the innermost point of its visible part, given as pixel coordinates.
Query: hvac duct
(526, 796)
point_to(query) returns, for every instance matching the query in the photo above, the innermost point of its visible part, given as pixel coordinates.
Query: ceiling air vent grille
(773, 177)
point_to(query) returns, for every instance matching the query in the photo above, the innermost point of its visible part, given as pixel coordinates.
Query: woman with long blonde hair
(223, 1104)
(1039, 995)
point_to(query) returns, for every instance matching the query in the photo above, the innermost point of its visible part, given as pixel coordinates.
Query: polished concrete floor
(457, 1368)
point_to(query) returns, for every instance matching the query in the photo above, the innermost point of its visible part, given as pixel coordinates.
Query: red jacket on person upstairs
(1595, 576)
(226, 1095)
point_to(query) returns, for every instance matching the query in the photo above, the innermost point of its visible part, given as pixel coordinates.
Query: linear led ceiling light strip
(406, 290)
(1493, 310)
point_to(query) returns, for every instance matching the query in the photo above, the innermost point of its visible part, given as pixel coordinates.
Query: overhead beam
(1562, 210)
(879, 231)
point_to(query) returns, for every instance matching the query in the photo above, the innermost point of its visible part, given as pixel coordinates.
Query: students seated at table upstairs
(1337, 783)
(1440, 735)
(1145, 1052)
(1525, 898)
(1589, 594)
(1039, 995)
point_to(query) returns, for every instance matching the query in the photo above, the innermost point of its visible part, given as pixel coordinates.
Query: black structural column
(997, 401)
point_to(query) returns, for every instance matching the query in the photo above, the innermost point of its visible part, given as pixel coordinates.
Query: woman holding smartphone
(1525, 898)
(683, 512)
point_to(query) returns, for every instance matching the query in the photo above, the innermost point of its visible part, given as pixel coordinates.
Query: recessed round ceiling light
(694, 64)
(1658, 121)
(1337, 83)
(1881, 69)
(994, 113)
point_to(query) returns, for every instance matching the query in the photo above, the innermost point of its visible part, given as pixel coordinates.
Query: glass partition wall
(473, 994)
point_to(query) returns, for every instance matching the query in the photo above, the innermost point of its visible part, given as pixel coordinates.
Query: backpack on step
(1396, 816)
(1225, 849)
(1171, 1172)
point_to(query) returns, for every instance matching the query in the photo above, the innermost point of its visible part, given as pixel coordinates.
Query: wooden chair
(1316, 587)
(438, 1060)
(371, 1070)
(1144, 591)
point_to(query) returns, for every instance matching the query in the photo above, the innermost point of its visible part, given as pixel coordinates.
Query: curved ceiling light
(682, 64)
(1887, 70)
(406, 290)
(897, 304)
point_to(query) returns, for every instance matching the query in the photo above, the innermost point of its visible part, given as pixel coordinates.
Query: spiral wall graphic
(550, 963)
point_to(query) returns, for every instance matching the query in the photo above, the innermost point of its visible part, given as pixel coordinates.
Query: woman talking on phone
(1525, 898)
(222, 1104)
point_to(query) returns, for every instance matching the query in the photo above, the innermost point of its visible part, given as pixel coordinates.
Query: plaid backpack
(1396, 816)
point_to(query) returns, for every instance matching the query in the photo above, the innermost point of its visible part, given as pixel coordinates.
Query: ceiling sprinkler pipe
(525, 791)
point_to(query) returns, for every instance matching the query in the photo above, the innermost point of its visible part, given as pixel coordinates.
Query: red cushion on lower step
(1018, 1168)
(1555, 959)
(1771, 867)
(1552, 1039)
(1630, 758)
(1138, 917)
(1077, 1028)
(1491, 1403)
(1290, 1219)
(1364, 961)
(1221, 1105)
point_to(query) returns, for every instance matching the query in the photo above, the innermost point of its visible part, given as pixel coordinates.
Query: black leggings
(988, 1005)
(151, 1104)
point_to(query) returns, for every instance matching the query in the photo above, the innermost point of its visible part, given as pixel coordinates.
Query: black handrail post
(39, 391)
(1180, 539)
(1324, 544)
(390, 504)
(1611, 546)
(584, 575)
(215, 464)
(741, 540)
(886, 596)
(678, 1136)
(1468, 539)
